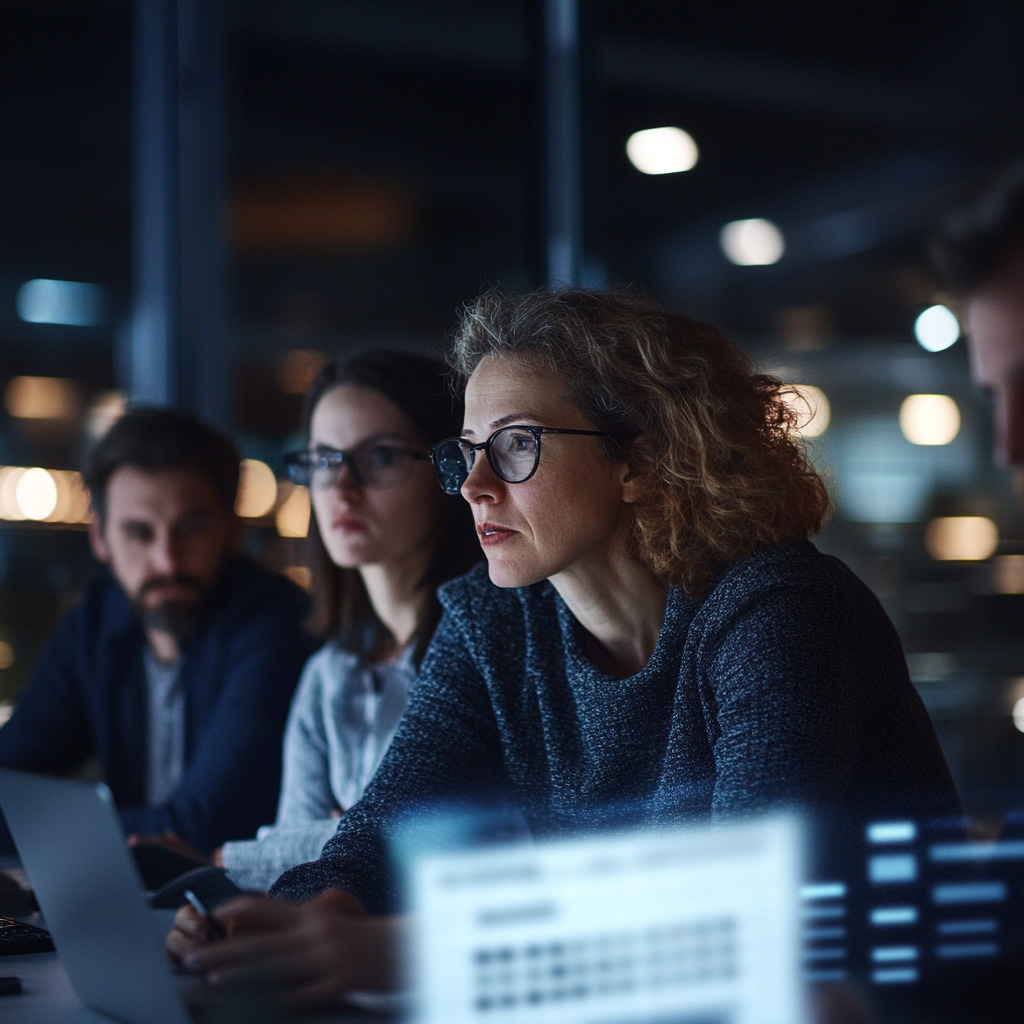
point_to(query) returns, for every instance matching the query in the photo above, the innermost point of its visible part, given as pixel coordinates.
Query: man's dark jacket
(88, 698)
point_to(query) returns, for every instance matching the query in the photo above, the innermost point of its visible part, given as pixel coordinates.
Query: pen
(215, 926)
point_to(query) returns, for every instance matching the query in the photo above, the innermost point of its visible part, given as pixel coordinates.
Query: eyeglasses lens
(514, 454)
(373, 465)
(452, 463)
(382, 465)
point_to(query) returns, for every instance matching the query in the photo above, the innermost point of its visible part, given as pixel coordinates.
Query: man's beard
(179, 618)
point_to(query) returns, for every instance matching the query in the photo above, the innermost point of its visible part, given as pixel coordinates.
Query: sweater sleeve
(783, 709)
(256, 863)
(447, 744)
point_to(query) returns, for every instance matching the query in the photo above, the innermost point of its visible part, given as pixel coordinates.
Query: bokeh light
(961, 538)
(257, 489)
(1018, 714)
(813, 409)
(42, 398)
(45, 301)
(752, 243)
(929, 419)
(36, 494)
(1008, 574)
(936, 328)
(668, 150)
(9, 477)
(292, 518)
(43, 495)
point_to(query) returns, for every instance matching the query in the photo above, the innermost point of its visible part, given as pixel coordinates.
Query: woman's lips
(349, 524)
(492, 533)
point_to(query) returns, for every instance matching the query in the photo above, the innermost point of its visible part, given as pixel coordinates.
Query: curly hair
(727, 474)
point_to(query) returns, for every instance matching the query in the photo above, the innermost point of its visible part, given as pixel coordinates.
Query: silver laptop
(111, 944)
(72, 847)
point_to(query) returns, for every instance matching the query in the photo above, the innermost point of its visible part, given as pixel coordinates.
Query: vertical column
(150, 362)
(205, 338)
(177, 347)
(557, 60)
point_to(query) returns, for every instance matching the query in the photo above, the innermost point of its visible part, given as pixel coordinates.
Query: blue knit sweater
(785, 684)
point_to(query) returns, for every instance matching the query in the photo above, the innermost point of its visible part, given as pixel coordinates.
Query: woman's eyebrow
(501, 421)
(383, 436)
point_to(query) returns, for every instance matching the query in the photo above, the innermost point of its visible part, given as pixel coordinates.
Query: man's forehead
(132, 490)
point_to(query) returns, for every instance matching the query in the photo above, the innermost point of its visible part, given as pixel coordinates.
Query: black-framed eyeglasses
(374, 464)
(513, 452)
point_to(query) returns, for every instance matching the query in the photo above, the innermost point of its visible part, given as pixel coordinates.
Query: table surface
(47, 996)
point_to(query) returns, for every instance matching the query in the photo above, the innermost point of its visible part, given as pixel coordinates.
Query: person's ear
(97, 541)
(634, 485)
(633, 480)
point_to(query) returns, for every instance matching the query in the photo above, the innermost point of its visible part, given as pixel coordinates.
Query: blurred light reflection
(36, 494)
(257, 489)
(43, 495)
(45, 301)
(961, 538)
(668, 150)
(814, 412)
(752, 243)
(42, 398)
(292, 518)
(936, 329)
(929, 419)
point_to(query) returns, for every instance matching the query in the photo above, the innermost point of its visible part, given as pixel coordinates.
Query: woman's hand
(310, 955)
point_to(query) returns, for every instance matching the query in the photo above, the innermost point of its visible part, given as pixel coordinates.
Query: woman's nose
(482, 484)
(346, 479)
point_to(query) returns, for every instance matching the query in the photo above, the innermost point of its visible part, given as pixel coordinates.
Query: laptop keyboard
(17, 938)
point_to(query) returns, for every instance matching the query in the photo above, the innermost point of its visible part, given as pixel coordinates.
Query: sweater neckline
(574, 642)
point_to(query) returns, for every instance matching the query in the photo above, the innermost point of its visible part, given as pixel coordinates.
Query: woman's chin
(346, 556)
(503, 574)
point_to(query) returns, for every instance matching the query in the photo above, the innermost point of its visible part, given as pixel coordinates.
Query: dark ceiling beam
(466, 34)
(474, 35)
(772, 84)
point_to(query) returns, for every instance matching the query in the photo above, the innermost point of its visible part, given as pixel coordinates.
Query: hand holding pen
(216, 928)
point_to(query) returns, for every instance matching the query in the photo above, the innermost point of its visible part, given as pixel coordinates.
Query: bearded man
(176, 668)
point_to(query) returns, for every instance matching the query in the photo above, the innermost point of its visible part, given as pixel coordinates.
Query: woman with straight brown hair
(382, 539)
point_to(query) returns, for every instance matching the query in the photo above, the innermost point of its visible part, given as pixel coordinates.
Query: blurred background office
(200, 200)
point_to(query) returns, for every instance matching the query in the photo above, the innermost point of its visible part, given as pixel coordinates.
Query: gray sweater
(784, 685)
(342, 719)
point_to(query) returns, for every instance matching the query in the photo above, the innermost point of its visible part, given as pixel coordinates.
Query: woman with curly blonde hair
(653, 639)
(682, 405)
